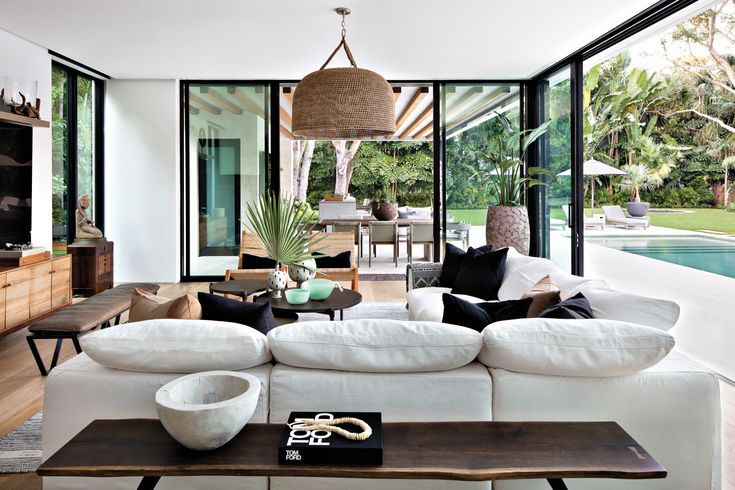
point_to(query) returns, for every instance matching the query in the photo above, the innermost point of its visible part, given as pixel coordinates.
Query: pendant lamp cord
(342, 44)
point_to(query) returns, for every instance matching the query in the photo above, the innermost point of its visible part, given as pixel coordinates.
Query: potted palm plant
(285, 231)
(507, 220)
(637, 178)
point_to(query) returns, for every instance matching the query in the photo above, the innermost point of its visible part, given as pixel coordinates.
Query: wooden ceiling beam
(220, 99)
(288, 93)
(285, 116)
(247, 101)
(473, 110)
(424, 130)
(193, 110)
(417, 122)
(396, 94)
(202, 104)
(415, 101)
(468, 96)
(286, 132)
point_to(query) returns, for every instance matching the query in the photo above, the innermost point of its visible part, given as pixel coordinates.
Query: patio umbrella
(595, 167)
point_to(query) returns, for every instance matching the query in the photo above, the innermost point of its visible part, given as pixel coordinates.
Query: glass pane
(227, 169)
(59, 158)
(85, 141)
(473, 119)
(556, 155)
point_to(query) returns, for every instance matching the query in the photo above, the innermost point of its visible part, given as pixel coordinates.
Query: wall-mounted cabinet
(30, 292)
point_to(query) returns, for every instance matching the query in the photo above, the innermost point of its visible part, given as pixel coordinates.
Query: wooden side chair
(382, 233)
(355, 228)
(420, 234)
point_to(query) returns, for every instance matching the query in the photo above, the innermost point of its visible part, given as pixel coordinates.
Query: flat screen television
(16, 150)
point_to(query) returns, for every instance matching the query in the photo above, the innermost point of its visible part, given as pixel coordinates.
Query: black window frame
(70, 107)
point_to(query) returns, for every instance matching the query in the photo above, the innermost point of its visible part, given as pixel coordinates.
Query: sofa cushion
(544, 293)
(258, 316)
(477, 316)
(375, 345)
(339, 261)
(149, 306)
(425, 304)
(559, 347)
(481, 274)
(575, 308)
(454, 257)
(250, 261)
(630, 307)
(177, 346)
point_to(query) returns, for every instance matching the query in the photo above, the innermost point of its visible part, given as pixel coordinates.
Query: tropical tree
(727, 164)
(637, 178)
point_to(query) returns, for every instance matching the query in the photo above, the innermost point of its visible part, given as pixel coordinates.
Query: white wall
(142, 178)
(27, 61)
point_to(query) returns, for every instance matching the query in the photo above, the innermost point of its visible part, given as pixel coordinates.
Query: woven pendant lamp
(343, 103)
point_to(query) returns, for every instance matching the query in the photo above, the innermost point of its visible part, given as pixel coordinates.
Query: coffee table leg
(331, 315)
(557, 483)
(148, 482)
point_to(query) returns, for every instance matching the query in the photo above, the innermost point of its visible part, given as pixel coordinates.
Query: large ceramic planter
(385, 211)
(637, 209)
(507, 226)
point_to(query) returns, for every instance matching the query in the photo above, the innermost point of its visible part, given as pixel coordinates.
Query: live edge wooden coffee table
(471, 451)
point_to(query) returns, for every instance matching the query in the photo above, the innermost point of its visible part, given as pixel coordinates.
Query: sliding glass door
(555, 205)
(227, 137)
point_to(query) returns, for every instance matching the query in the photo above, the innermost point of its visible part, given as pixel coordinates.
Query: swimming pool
(706, 254)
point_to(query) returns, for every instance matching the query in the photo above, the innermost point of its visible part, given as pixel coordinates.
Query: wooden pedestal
(92, 266)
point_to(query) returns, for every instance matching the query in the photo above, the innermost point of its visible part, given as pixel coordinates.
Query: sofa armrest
(423, 275)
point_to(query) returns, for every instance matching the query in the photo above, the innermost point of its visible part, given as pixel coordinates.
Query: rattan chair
(355, 228)
(382, 233)
(420, 234)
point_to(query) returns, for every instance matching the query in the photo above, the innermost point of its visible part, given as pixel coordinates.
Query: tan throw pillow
(545, 294)
(147, 306)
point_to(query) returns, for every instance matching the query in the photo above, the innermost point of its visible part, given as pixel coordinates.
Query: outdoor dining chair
(382, 233)
(355, 228)
(420, 234)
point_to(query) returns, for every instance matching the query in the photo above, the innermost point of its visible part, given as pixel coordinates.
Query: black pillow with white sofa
(422, 370)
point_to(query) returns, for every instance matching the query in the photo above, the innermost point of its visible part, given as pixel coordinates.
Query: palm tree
(727, 164)
(637, 178)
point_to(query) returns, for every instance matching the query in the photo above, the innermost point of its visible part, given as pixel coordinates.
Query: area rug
(20, 449)
(392, 310)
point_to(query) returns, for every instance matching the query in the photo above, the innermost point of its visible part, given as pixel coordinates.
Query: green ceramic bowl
(319, 288)
(297, 296)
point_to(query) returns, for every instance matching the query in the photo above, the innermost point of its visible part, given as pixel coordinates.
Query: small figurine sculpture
(85, 226)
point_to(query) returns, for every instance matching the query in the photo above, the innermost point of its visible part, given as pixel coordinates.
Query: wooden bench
(101, 310)
(332, 243)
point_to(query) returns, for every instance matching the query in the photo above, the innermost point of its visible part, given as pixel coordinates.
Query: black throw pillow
(575, 308)
(477, 316)
(255, 262)
(453, 259)
(339, 261)
(255, 315)
(481, 274)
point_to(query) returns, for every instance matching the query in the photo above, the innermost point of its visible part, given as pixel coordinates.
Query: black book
(300, 446)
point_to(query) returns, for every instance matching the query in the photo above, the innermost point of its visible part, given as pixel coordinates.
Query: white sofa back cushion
(375, 346)
(555, 347)
(613, 304)
(177, 346)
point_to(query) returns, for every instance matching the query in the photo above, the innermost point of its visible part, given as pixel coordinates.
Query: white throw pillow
(629, 307)
(375, 346)
(589, 348)
(177, 346)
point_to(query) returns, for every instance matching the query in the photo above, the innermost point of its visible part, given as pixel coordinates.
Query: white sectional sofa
(420, 374)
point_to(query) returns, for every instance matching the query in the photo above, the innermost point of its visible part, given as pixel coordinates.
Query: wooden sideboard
(30, 292)
(93, 266)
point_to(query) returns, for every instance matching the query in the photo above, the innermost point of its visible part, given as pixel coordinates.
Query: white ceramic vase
(302, 274)
(277, 282)
(204, 411)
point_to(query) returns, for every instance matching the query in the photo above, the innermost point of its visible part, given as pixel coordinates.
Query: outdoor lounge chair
(616, 216)
(589, 223)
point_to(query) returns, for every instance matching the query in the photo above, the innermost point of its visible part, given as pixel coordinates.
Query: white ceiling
(286, 39)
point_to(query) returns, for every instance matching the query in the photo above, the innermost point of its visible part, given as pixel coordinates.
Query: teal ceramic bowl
(297, 296)
(319, 288)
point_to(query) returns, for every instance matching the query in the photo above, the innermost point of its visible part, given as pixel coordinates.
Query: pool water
(705, 254)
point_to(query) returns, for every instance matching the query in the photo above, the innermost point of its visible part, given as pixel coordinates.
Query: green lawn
(697, 219)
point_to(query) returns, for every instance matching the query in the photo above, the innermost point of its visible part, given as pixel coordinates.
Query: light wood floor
(21, 386)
